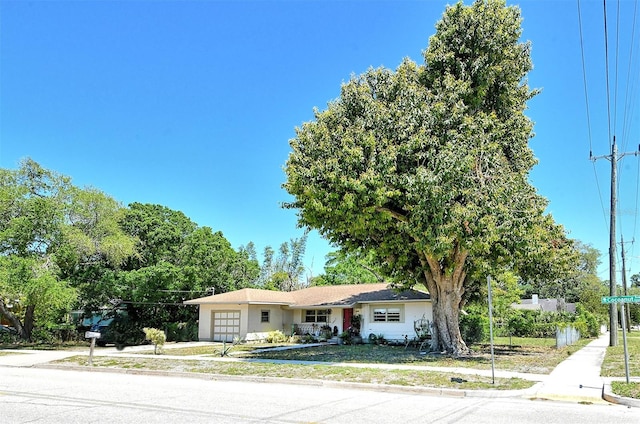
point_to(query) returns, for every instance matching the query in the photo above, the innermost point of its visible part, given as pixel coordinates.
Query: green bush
(182, 331)
(474, 326)
(276, 336)
(586, 322)
(157, 337)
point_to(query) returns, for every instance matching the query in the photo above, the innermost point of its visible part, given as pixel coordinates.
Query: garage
(225, 325)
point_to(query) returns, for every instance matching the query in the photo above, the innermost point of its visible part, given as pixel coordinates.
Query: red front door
(346, 318)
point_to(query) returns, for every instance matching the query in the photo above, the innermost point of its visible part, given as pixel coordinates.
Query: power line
(615, 88)
(606, 68)
(586, 98)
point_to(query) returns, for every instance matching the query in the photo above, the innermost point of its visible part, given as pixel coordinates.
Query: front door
(346, 318)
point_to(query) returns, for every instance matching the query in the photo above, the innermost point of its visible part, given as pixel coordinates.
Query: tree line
(65, 248)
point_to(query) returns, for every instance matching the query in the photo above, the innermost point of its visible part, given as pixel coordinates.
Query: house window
(388, 314)
(264, 316)
(316, 315)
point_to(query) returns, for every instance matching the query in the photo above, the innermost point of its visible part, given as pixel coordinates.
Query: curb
(609, 396)
(389, 388)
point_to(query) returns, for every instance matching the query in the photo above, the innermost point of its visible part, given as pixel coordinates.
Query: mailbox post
(93, 335)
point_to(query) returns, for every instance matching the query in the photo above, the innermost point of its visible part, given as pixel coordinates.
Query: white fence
(566, 336)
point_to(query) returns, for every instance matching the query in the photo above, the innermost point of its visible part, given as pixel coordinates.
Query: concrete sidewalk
(577, 378)
(30, 358)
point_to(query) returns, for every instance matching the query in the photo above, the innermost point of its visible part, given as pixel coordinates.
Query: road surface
(32, 395)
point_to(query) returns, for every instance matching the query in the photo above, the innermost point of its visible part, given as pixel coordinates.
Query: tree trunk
(15, 322)
(446, 314)
(446, 288)
(28, 321)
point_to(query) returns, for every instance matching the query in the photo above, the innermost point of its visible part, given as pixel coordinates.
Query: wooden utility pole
(613, 310)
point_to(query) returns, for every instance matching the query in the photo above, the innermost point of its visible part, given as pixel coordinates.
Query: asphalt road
(31, 395)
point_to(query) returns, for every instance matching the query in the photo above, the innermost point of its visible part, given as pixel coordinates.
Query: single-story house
(546, 305)
(250, 314)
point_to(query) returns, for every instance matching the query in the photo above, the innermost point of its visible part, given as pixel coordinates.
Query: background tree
(348, 268)
(575, 285)
(285, 271)
(428, 166)
(51, 231)
(178, 260)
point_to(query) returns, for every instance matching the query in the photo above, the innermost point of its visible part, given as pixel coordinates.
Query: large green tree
(178, 260)
(51, 230)
(428, 166)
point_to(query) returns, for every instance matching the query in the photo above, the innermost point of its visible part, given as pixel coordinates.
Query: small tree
(157, 337)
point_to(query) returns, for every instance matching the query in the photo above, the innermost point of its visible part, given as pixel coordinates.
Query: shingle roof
(246, 296)
(342, 295)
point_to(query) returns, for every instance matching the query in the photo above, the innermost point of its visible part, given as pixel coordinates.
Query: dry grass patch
(535, 357)
(410, 378)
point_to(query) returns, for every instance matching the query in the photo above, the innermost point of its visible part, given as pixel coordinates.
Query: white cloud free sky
(190, 104)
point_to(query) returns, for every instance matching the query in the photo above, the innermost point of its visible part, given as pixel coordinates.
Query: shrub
(586, 322)
(182, 331)
(276, 336)
(157, 337)
(474, 326)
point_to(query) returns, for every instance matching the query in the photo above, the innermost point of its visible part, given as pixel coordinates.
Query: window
(264, 316)
(316, 315)
(387, 314)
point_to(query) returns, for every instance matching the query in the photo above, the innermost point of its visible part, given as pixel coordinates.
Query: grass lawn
(524, 355)
(613, 365)
(538, 356)
(528, 355)
(308, 372)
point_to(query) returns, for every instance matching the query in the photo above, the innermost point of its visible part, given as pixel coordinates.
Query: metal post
(93, 345)
(624, 342)
(625, 307)
(493, 376)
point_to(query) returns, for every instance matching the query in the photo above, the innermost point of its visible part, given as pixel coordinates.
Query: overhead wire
(626, 121)
(606, 70)
(586, 98)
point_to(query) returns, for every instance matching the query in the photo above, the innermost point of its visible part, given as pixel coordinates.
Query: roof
(341, 295)
(547, 305)
(250, 296)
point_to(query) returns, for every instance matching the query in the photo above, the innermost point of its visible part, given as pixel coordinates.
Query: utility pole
(613, 310)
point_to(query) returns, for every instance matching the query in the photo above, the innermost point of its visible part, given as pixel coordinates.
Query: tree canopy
(64, 247)
(427, 166)
(342, 267)
(49, 230)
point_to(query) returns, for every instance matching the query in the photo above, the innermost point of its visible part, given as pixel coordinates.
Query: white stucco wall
(282, 319)
(278, 318)
(394, 330)
(204, 326)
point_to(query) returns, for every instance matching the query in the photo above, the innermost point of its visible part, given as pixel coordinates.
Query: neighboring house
(546, 305)
(250, 314)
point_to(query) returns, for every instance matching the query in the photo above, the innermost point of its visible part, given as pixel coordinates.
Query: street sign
(91, 335)
(621, 299)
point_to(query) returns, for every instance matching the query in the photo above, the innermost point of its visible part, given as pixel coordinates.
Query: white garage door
(226, 325)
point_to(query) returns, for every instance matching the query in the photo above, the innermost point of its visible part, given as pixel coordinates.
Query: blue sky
(190, 104)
